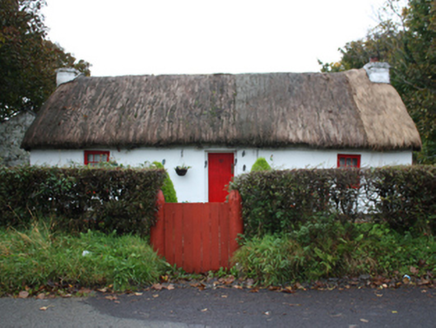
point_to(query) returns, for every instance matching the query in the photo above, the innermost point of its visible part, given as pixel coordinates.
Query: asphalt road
(407, 306)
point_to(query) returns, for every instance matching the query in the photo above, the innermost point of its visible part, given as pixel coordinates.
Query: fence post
(157, 232)
(236, 225)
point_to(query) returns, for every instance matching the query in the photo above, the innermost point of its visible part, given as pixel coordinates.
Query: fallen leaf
(288, 289)
(254, 290)
(111, 297)
(23, 294)
(413, 270)
(170, 287)
(40, 296)
(224, 296)
(67, 295)
(364, 320)
(237, 287)
(423, 282)
(394, 311)
(44, 308)
(229, 280)
(118, 302)
(273, 288)
(102, 290)
(424, 291)
(157, 286)
(299, 286)
(379, 295)
(204, 310)
(156, 295)
(138, 294)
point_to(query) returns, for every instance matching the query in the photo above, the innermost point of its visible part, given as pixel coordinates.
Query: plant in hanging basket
(182, 169)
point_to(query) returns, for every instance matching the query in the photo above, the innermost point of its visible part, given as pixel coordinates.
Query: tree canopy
(27, 59)
(406, 39)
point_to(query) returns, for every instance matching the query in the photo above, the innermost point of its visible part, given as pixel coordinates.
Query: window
(93, 157)
(348, 160)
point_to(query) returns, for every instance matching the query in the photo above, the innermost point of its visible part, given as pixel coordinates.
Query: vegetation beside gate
(301, 225)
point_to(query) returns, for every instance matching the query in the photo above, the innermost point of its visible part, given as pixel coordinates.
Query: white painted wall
(193, 186)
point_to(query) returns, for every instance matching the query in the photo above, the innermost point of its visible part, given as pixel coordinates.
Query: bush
(168, 186)
(324, 249)
(82, 198)
(260, 165)
(281, 201)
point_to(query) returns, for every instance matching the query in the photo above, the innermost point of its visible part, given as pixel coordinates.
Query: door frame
(206, 167)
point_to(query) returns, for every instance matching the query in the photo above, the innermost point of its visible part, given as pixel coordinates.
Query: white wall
(193, 186)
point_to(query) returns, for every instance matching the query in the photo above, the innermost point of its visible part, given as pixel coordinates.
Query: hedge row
(84, 198)
(281, 201)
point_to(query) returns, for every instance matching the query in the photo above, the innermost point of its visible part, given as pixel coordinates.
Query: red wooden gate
(198, 236)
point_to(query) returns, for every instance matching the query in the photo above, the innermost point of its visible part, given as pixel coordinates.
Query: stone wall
(11, 134)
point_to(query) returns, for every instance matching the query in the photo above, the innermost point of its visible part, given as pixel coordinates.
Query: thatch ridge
(259, 110)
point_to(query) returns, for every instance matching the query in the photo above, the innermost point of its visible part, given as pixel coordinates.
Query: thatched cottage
(219, 124)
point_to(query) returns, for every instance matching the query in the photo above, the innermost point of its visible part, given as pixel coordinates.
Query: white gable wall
(193, 186)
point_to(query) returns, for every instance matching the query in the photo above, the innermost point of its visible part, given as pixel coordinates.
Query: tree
(406, 38)
(27, 60)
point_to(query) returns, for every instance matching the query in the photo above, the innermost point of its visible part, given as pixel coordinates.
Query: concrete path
(226, 307)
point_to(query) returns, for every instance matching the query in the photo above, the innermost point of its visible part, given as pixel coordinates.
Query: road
(407, 306)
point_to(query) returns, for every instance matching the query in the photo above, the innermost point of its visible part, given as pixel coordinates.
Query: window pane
(355, 162)
(341, 161)
(348, 161)
(104, 158)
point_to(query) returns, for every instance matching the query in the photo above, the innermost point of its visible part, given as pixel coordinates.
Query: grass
(37, 258)
(331, 250)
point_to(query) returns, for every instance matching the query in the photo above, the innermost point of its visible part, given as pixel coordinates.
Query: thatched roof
(337, 110)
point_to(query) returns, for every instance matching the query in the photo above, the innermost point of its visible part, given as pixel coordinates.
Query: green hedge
(280, 201)
(83, 198)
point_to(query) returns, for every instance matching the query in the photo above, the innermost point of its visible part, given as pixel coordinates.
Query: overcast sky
(125, 37)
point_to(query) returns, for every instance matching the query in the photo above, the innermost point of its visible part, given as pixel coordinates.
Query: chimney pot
(64, 75)
(378, 72)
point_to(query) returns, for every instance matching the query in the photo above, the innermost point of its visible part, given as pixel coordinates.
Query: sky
(139, 37)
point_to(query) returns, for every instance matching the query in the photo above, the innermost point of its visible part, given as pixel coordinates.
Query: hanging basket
(181, 172)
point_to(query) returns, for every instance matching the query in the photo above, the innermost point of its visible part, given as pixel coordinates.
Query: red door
(220, 173)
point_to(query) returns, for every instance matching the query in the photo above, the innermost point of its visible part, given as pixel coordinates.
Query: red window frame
(93, 153)
(350, 157)
(346, 157)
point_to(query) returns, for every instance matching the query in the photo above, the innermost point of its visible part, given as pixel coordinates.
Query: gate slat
(205, 226)
(178, 235)
(215, 242)
(224, 234)
(169, 233)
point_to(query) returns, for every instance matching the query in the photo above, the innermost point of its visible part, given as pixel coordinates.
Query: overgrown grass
(324, 248)
(38, 257)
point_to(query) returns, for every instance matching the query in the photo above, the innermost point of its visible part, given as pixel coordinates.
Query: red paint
(93, 157)
(220, 170)
(348, 160)
(198, 237)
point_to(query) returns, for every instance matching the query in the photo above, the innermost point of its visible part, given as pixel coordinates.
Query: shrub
(325, 248)
(281, 201)
(168, 186)
(260, 165)
(82, 198)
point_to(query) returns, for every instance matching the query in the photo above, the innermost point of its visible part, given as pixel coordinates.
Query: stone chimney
(378, 72)
(64, 75)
